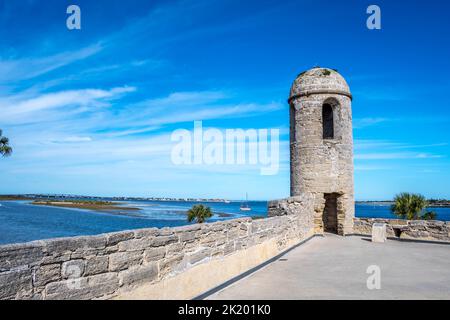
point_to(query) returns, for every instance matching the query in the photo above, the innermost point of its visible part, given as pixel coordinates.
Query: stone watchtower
(321, 143)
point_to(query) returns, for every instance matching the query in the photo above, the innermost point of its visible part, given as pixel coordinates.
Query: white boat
(245, 206)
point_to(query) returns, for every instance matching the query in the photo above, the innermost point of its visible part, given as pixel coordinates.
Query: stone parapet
(428, 230)
(114, 264)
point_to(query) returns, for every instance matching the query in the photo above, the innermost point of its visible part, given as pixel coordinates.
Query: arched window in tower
(327, 121)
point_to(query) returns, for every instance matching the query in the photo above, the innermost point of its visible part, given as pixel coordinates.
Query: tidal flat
(104, 206)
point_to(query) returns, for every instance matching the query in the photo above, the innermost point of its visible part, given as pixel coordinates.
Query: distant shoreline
(41, 197)
(432, 203)
(384, 202)
(95, 198)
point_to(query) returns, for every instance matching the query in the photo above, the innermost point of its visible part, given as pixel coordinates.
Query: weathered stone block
(215, 227)
(139, 274)
(123, 260)
(171, 264)
(147, 233)
(165, 231)
(92, 245)
(72, 269)
(199, 255)
(154, 254)
(15, 283)
(233, 233)
(116, 237)
(95, 242)
(72, 289)
(135, 244)
(228, 248)
(221, 239)
(96, 265)
(187, 228)
(109, 249)
(164, 240)
(84, 252)
(47, 273)
(83, 288)
(15, 255)
(239, 245)
(56, 257)
(379, 234)
(175, 247)
(259, 225)
(187, 236)
(63, 245)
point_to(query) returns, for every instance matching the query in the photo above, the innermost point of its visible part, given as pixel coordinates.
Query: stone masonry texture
(99, 267)
(322, 168)
(428, 230)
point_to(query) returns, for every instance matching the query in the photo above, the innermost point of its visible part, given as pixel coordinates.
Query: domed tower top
(319, 81)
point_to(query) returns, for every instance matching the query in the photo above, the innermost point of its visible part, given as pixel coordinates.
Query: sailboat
(245, 206)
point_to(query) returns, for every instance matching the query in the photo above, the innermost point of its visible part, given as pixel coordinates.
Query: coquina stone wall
(301, 204)
(323, 166)
(169, 263)
(406, 229)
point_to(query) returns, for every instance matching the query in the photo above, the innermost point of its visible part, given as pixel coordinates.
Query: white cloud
(395, 155)
(208, 113)
(72, 131)
(16, 109)
(73, 139)
(366, 122)
(428, 156)
(385, 156)
(392, 150)
(360, 145)
(28, 68)
(370, 168)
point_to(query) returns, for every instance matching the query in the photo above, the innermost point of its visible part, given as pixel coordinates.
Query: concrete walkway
(335, 268)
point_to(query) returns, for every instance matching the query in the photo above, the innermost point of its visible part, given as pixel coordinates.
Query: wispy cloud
(29, 67)
(370, 168)
(362, 144)
(73, 139)
(17, 109)
(62, 128)
(367, 122)
(392, 150)
(181, 107)
(396, 155)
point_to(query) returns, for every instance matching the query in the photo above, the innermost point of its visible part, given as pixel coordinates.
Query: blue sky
(91, 111)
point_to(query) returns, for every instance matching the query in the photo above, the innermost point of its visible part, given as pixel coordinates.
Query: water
(21, 221)
(367, 210)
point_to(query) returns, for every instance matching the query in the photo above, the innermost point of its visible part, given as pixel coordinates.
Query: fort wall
(167, 263)
(427, 230)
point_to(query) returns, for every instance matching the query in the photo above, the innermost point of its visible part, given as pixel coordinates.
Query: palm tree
(411, 206)
(430, 215)
(5, 149)
(199, 213)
